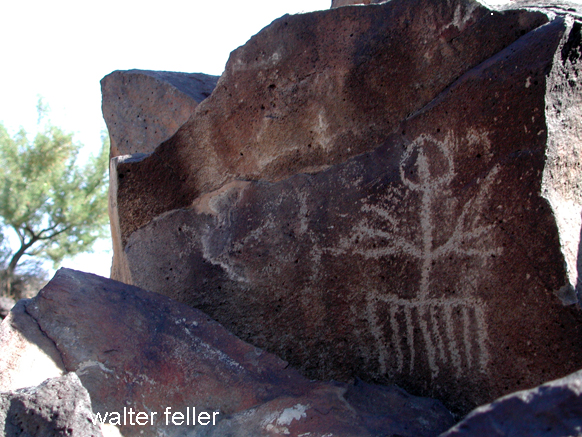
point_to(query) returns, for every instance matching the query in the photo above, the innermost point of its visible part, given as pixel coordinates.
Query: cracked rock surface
(131, 348)
(389, 192)
(59, 407)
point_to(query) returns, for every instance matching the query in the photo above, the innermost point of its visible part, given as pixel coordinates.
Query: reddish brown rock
(312, 90)
(427, 236)
(144, 108)
(375, 411)
(141, 350)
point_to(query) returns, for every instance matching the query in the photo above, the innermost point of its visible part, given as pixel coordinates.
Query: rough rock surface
(28, 357)
(141, 350)
(143, 108)
(59, 407)
(313, 90)
(552, 409)
(390, 192)
(379, 411)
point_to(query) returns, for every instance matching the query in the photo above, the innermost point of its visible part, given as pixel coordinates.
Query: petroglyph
(447, 330)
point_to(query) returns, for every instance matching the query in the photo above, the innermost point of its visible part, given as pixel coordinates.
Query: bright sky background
(61, 49)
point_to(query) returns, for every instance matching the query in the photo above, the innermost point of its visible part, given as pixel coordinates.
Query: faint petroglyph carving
(450, 331)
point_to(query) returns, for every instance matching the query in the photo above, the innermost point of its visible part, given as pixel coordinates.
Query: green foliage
(56, 207)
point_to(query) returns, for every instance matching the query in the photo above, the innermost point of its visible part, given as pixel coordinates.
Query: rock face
(389, 192)
(57, 407)
(142, 109)
(133, 349)
(311, 91)
(552, 409)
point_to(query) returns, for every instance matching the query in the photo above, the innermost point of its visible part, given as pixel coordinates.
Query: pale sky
(61, 49)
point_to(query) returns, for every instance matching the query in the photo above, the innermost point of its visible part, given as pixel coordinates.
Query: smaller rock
(6, 305)
(144, 108)
(57, 407)
(552, 409)
(28, 356)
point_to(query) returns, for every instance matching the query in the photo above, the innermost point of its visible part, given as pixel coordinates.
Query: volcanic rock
(313, 90)
(143, 108)
(28, 356)
(552, 409)
(135, 349)
(388, 192)
(57, 407)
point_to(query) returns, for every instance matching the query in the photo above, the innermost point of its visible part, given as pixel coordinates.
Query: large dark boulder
(138, 350)
(390, 192)
(550, 410)
(313, 90)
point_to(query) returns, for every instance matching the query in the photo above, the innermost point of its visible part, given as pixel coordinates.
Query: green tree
(55, 207)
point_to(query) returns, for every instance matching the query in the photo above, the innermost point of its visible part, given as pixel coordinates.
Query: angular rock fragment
(137, 351)
(552, 409)
(388, 192)
(59, 407)
(144, 108)
(28, 356)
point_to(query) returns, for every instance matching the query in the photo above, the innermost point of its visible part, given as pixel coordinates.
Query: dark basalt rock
(552, 409)
(313, 90)
(143, 108)
(138, 350)
(59, 407)
(388, 192)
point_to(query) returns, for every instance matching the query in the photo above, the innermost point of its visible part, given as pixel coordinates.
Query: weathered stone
(413, 236)
(57, 407)
(28, 356)
(552, 409)
(6, 305)
(372, 411)
(141, 350)
(312, 90)
(144, 108)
